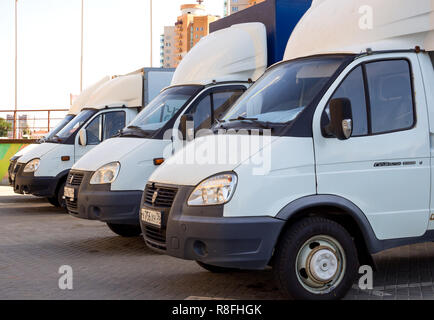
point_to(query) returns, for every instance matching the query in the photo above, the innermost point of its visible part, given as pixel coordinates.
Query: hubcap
(320, 264)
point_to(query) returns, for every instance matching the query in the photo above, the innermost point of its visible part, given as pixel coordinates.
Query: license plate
(68, 192)
(151, 217)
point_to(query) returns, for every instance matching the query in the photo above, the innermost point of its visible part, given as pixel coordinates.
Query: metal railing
(29, 124)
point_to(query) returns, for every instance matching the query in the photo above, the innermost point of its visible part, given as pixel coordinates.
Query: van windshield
(59, 127)
(73, 125)
(160, 110)
(284, 91)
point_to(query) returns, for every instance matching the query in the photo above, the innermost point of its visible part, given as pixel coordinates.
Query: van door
(384, 167)
(102, 126)
(211, 105)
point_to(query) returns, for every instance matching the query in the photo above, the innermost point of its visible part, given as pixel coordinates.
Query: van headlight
(106, 174)
(215, 190)
(31, 166)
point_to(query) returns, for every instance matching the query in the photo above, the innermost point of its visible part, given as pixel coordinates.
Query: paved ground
(36, 239)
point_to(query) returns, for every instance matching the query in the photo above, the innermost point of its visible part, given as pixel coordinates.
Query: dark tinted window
(113, 122)
(220, 101)
(353, 89)
(202, 114)
(390, 94)
(94, 131)
(223, 101)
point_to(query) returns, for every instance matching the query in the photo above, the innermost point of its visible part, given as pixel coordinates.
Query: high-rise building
(191, 26)
(233, 6)
(238, 5)
(253, 2)
(168, 48)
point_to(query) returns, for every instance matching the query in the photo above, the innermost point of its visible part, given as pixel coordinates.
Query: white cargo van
(107, 184)
(42, 171)
(346, 171)
(75, 109)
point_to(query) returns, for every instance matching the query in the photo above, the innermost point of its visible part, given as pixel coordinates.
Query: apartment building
(168, 48)
(233, 6)
(191, 26)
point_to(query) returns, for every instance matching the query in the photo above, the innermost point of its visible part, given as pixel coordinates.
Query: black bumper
(97, 202)
(11, 172)
(27, 183)
(203, 234)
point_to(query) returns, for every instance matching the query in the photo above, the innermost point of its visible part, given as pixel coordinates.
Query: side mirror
(187, 126)
(341, 119)
(82, 137)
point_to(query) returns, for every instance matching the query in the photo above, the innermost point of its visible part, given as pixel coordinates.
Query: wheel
(125, 230)
(58, 200)
(61, 202)
(214, 269)
(53, 201)
(316, 259)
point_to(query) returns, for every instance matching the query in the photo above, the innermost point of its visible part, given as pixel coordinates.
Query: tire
(125, 230)
(53, 201)
(61, 202)
(214, 269)
(316, 259)
(57, 200)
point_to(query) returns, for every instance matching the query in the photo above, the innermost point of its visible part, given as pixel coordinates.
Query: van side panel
(386, 175)
(284, 172)
(426, 64)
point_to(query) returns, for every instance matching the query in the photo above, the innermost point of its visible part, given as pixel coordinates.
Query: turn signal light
(65, 158)
(158, 161)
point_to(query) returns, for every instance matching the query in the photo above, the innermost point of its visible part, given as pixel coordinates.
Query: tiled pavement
(36, 239)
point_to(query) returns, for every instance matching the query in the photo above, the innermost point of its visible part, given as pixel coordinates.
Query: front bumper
(11, 173)
(203, 234)
(97, 202)
(28, 183)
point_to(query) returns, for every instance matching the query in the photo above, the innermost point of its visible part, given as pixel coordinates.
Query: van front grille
(71, 205)
(75, 178)
(159, 197)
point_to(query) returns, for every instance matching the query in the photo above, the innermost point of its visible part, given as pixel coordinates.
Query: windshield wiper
(262, 124)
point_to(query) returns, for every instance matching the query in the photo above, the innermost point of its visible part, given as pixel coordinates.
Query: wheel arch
(61, 177)
(341, 211)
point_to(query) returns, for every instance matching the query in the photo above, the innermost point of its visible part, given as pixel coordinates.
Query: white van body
(348, 175)
(215, 72)
(107, 110)
(75, 109)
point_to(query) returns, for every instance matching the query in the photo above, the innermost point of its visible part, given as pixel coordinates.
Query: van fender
(372, 243)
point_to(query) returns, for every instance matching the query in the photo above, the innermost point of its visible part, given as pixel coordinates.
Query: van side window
(381, 98)
(94, 131)
(390, 93)
(223, 100)
(352, 88)
(214, 106)
(202, 114)
(113, 122)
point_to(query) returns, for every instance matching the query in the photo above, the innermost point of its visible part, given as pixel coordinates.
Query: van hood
(24, 150)
(115, 149)
(206, 156)
(36, 151)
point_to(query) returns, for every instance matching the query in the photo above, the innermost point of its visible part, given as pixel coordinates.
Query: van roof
(237, 53)
(84, 96)
(119, 91)
(353, 26)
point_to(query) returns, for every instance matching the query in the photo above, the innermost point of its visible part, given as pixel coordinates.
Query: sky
(116, 41)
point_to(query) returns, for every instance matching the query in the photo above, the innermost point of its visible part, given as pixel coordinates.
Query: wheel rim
(320, 264)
